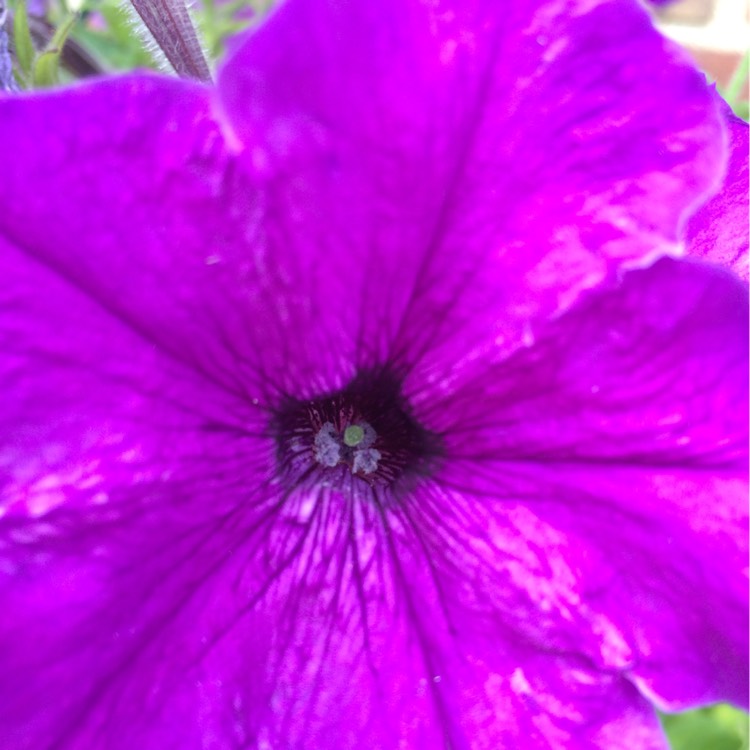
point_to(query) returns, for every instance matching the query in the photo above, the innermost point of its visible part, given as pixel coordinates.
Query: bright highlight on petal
(353, 403)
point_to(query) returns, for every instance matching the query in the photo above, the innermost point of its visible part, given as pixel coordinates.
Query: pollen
(351, 447)
(327, 448)
(365, 431)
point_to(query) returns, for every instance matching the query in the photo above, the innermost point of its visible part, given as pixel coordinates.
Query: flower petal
(133, 197)
(92, 408)
(718, 232)
(158, 592)
(481, 163)
(324, 630)
(624, 427)
(129, 483)
(121, 629)
(393, 182)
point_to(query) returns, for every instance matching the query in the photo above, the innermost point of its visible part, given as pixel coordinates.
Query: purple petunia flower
(357, 402)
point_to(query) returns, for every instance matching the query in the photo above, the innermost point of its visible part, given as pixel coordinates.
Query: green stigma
(353, 435)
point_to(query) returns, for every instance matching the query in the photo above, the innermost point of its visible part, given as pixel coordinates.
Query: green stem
(735, 87)
(170, 24)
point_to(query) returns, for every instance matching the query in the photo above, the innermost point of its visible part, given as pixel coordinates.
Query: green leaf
(117, 45)
(742, 109)
(22, 38)
(715, 728)
(47, 66)
(738, 84)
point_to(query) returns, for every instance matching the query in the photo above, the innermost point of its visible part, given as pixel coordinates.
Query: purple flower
(356, 402)
(719, 230)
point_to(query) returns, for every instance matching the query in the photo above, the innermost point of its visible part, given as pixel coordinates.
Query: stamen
(366, 461)
(365, 431)
(170, 24)
(327, 447)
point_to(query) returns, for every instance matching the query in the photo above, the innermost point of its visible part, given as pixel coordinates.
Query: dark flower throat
(364, 431)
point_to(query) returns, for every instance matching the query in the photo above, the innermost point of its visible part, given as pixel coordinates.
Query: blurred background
(717, 33)
(100, 36)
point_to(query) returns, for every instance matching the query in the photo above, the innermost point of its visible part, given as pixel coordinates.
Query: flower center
(365, 430)
(353, 447)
